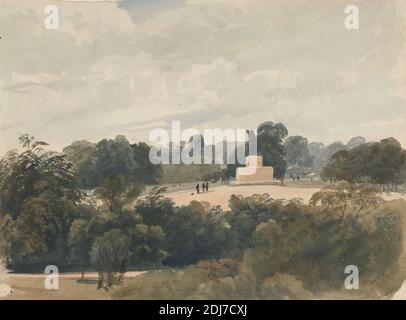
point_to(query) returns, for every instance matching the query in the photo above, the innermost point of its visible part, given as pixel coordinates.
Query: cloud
(211, 63)
(90, 0)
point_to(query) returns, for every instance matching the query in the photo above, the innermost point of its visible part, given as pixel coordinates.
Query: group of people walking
(205, 187)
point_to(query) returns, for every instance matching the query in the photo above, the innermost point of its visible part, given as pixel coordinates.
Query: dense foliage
(38, 199)
(382, 163)
(272, 248)
(289, 251)
(109, 158)
(270, 140)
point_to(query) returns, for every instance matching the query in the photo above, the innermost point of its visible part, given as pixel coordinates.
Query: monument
(254, 172)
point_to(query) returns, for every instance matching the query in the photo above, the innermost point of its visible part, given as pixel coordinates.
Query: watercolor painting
(202, 149)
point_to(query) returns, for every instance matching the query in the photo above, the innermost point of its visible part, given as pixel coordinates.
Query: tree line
(45, 218)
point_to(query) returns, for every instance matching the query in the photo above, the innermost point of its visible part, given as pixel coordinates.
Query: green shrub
(291, 251)
(109, 256)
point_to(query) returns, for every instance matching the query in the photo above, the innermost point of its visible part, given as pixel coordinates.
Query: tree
(355, 142)
(320, 161)
(297, 151)
(109, 256)
(154, 208)
(298, 157)
(344, 198)
(338, 167)
(147, 243)
(316, 149)
(115, 193)
(80, 244)
(270, 141)
(147, 172)
(110, 158)
(321, 154)
(37, 190)
(382, 163)
(80, 153)
(32, 172)
(194, 233)
(388, 165)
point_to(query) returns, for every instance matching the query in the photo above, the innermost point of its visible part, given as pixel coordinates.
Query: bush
(146, 246)
(192, 233)
(80, 243)
(291, 251)
(109, 257)
(195, 233)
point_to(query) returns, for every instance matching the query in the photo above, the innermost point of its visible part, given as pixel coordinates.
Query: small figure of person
(207, 186)
(198, 188)
(298, 178)
(203, 187)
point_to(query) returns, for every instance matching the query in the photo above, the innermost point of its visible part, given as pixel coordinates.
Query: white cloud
(214, 63)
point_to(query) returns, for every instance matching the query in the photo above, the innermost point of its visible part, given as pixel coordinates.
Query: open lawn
(220, 195)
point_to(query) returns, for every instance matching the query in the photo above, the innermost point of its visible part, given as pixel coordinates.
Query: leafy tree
(194, 234)
(147, 244)
(109, 256)
(321, 154)
(298, 157)
(270, 250)
(270, 141)
(37, 191)
(115, 193)
(80, 154)
(32, 172)
(110, 158)
(382, 163)
(154, 208)
(320, 161)
(338, 167)
(80, 243)
(297, 151)
(248, 212)
(147, 172)
(355, 142)
(316, 149)
(388, 165)
(344, 198)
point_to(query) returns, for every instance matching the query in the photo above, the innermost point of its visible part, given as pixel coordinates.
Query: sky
(128, 67)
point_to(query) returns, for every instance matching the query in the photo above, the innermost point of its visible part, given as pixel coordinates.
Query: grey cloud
(206, 63)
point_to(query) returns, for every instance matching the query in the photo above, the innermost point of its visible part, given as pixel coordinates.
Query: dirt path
(219, 196)
(22, 286)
